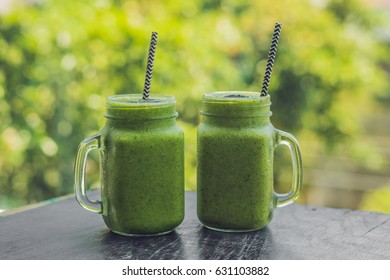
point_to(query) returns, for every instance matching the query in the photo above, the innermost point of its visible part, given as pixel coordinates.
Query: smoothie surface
(131, 107)
(236, 103)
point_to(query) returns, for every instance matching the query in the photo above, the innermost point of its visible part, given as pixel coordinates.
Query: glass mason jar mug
(141, 165)
(236, 142)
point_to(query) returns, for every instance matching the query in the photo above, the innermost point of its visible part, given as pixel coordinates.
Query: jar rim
(236, 104)
(134, 100)
(131, 107)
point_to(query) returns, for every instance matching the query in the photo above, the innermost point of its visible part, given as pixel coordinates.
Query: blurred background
(60, 60)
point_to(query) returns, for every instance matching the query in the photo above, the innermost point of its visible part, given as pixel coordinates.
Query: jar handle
(87, 145)
(284, 138)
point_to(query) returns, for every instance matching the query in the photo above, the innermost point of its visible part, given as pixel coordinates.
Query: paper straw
(271, 59)
(149, 67)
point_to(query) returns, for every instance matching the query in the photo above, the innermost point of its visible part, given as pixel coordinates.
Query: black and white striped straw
(149, 67)
(271, 59)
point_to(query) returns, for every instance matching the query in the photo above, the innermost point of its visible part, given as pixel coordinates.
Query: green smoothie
(235, 162)
(142, 165)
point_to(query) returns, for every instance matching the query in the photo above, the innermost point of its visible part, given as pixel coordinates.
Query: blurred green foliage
(59, 60)
(377, 200)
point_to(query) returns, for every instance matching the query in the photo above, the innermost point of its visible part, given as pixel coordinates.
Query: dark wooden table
(63, 230)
